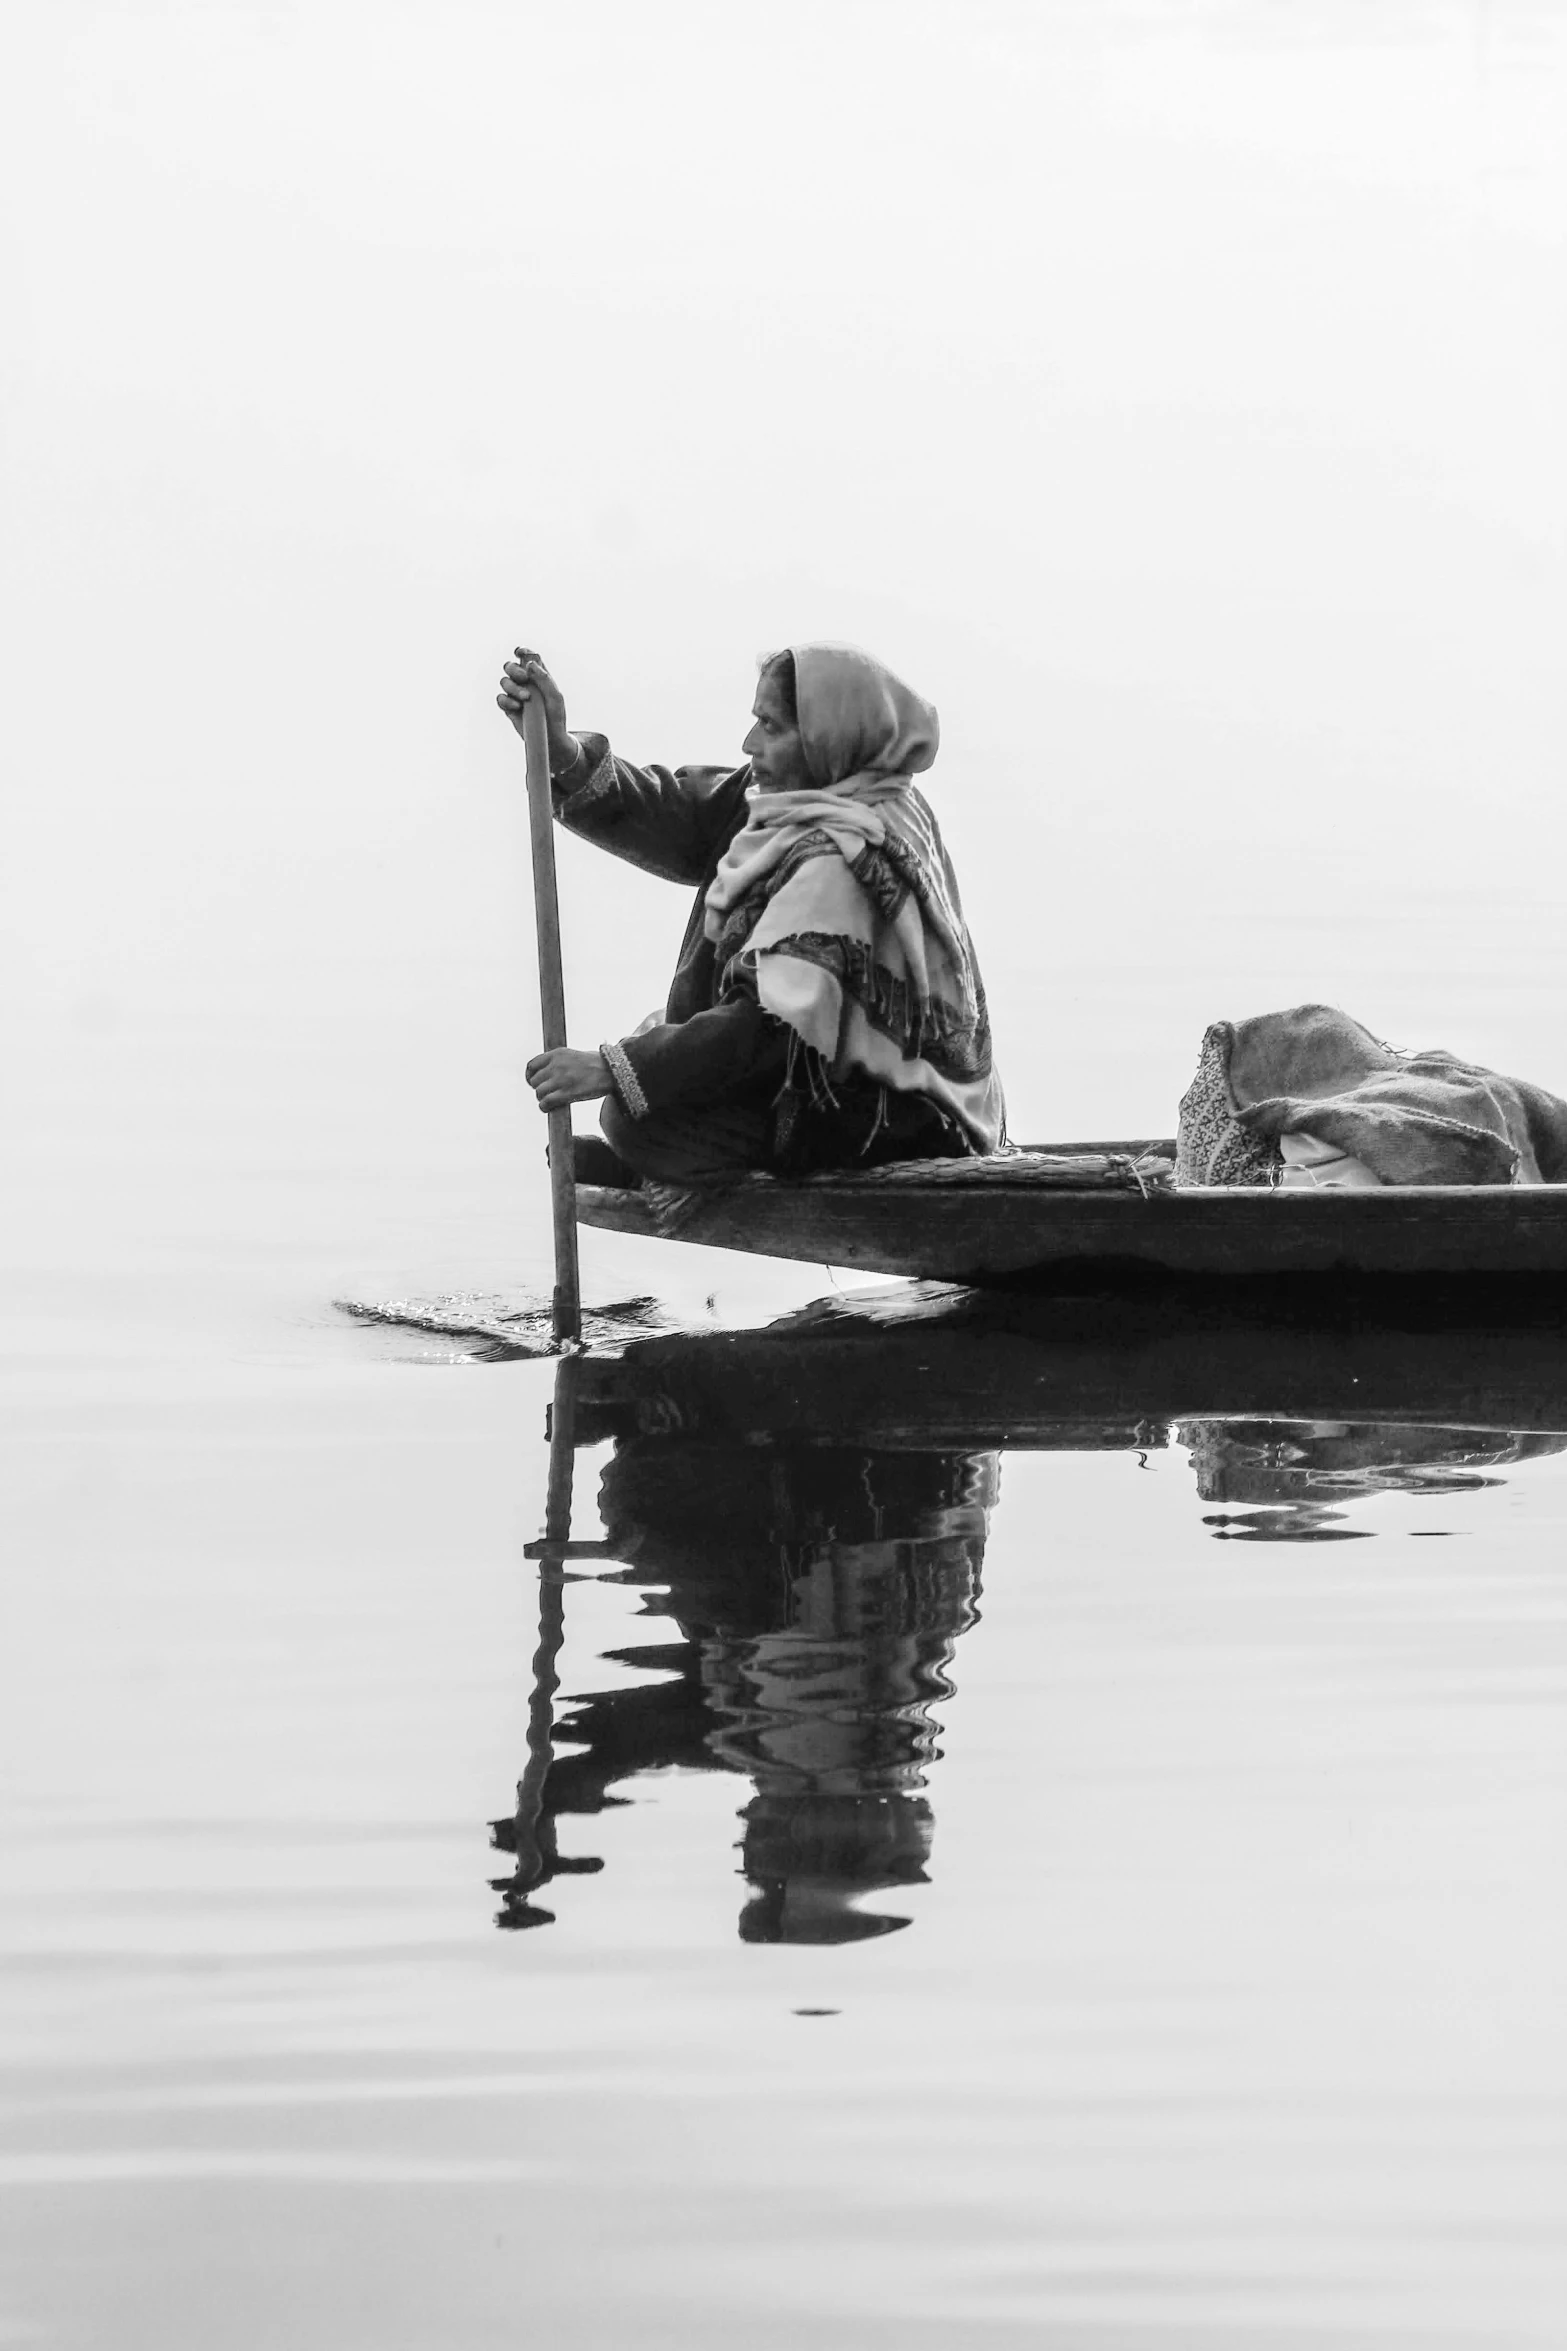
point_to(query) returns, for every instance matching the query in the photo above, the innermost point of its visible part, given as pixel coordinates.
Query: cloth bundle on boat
(1309, 1096)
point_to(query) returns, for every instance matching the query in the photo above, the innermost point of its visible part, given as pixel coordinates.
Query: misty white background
(1172, 391)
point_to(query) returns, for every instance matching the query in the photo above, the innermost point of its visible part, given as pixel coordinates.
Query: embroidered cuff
(627, 1084)
(589, 777)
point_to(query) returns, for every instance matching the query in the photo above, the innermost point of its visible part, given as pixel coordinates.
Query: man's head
(776, 753)
(827, 713)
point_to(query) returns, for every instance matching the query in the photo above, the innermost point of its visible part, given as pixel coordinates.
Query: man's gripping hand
(564, 1076)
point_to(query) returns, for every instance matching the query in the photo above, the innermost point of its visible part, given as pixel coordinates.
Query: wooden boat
(1098, 1212)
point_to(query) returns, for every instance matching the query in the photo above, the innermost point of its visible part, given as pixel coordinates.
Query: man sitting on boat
(826, 1010)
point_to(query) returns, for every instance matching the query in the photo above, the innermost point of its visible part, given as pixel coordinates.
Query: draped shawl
(839, 905)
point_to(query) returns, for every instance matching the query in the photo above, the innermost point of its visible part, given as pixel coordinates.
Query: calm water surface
(1105, 1888)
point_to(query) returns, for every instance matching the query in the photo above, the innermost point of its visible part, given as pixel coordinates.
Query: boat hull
(1023, 1234)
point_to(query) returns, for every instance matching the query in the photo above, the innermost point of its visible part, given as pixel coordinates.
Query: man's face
(773, 745)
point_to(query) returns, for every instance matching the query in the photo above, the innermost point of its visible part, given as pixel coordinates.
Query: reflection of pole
(563, 1445)
(552, 1626)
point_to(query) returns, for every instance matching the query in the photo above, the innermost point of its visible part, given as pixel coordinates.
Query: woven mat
(673, 1206)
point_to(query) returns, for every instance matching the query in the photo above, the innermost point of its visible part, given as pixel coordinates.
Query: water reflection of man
(818, 1595)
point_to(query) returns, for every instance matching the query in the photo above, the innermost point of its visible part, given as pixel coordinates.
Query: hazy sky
(1171, 389)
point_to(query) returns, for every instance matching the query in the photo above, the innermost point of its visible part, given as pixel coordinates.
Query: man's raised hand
(521, 678)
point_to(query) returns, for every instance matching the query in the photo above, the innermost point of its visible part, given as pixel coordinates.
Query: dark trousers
(689, 1146)
(719, 1139)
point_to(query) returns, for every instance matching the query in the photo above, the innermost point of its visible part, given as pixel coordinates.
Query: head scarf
(857, 719)
(839, 907)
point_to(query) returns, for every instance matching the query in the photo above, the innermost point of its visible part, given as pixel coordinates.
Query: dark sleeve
(690, 1062)
(670, 821)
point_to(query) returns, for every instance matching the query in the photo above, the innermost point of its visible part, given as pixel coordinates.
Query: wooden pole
(552, 1003)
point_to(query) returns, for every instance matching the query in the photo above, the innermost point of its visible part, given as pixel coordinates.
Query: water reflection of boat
(921, 1365)
(817, 1593)
(811, 1503)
